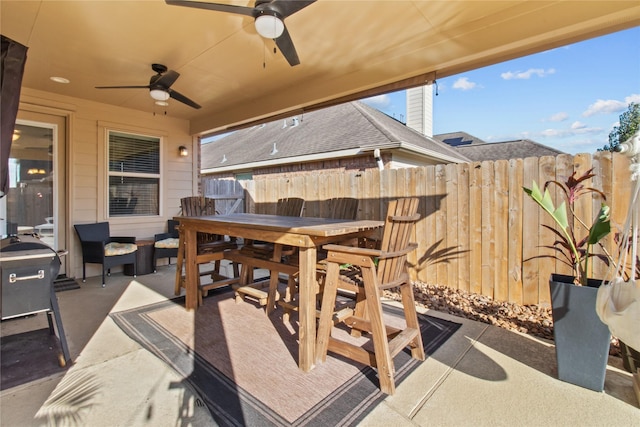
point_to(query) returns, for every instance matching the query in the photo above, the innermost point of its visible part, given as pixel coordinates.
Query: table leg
(191, 269)
(274, 279)
(179, 262)
(307, 309)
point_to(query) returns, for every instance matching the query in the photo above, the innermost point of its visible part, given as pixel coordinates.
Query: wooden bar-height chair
(211, 249)
(268, 256)
(339, 208)
(371, 272)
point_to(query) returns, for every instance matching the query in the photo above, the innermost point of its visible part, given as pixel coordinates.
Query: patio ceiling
(347, 49)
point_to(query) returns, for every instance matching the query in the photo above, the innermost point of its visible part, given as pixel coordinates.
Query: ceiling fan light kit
(269, 26)
(159, 94)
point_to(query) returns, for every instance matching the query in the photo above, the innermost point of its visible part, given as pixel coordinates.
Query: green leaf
(559, 214)
(601, 226)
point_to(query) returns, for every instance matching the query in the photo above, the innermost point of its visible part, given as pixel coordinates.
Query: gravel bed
(528, 319)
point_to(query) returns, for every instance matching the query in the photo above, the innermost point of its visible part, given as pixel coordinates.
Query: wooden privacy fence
(479, 231)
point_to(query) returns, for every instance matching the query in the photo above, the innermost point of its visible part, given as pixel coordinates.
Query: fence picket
(475, 227)
(516, 196)
(501, 219)
(530, 233)
(463, 247)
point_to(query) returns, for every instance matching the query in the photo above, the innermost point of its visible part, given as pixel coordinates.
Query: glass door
(36, 197)
(31, 169)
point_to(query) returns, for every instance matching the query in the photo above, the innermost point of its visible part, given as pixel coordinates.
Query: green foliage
(629, 124)
(575, 251)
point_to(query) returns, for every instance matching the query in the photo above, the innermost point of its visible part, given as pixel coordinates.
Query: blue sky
(569, 98)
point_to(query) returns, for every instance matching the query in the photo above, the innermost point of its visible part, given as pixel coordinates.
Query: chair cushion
(171, 242)
(113, 248)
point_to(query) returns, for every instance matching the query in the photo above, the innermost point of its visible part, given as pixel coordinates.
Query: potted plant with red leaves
(582, 341)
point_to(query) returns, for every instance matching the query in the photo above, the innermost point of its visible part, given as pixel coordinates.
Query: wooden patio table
(305, 233)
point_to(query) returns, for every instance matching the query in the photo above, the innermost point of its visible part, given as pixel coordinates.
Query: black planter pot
(582, 341)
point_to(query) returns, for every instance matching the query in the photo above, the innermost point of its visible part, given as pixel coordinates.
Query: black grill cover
(28, 268)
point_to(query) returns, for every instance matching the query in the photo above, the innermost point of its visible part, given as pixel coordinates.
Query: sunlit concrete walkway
(482, 376)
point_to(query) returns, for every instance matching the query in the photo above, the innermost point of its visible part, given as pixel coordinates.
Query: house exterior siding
(356, 163)
(86, 176)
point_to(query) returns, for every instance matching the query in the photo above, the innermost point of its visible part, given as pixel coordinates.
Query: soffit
(347, 49)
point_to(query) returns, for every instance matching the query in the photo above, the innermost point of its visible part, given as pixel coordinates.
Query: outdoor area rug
(243, 364)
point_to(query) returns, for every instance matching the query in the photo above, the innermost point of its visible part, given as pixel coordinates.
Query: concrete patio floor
(482, 376)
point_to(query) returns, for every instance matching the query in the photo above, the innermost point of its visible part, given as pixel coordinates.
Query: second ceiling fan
(269, 16)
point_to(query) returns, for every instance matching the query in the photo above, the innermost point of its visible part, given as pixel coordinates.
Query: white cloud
(524, 75)
(463, 83)
(576, 128)
(609, 106)
(602, 106)
(558, 117)
(581, 145)
(550, 133)
(633, 98)
(378, 101)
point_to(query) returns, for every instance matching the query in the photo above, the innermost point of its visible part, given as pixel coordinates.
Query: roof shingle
(349, 126)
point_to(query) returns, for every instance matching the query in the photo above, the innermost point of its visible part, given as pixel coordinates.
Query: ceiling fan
(160, 86)
(269, 18)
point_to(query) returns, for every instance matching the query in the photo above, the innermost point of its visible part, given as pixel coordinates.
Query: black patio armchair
(166, 244)
(99, 247)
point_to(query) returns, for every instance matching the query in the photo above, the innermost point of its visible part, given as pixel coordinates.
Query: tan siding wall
(86, 165)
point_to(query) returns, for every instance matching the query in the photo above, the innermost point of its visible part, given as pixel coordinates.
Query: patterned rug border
(231, 405)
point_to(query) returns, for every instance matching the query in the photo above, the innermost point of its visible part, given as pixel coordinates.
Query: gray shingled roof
(349, 126)
(457, 139)
(518, 149)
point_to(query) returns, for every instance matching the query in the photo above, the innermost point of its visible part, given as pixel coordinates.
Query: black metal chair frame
(173, 233)
(93, 239)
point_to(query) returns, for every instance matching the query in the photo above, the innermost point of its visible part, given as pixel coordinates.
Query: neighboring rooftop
(345, 130)
(457, 139)
(478, 150)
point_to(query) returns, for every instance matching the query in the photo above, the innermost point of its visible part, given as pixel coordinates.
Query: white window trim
(103, 169)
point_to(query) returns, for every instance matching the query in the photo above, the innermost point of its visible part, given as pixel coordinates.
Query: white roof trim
(405, 146)
(336, 154)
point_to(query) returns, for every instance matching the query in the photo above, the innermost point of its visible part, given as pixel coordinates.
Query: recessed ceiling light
(162, 103)
(59, 79)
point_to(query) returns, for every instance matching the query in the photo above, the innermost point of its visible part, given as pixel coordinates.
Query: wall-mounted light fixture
(182, 151)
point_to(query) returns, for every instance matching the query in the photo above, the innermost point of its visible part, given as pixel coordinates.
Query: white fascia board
(285, 161)
(412, 148)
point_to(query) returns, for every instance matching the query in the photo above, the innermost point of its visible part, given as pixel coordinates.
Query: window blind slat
(129, 157)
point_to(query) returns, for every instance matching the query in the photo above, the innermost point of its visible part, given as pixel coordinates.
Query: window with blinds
(134, 175)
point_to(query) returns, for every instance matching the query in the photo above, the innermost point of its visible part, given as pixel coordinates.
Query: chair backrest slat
(343, 208)
(291, 206)
(399, 222)
(200, 206)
